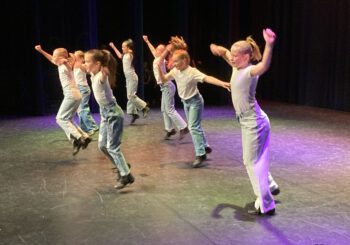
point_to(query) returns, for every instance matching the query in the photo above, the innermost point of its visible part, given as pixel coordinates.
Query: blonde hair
(106, 59)
(60, 52)
(178, 43)
(250, 47)
(182, 54)
(79, 54)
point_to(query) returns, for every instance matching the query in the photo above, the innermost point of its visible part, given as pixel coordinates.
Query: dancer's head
(96, 59)
(181, 59)
(244, 52)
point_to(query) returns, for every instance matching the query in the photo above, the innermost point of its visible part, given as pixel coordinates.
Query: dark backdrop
(310, 62)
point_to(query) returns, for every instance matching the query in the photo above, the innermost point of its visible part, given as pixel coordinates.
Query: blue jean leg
(87, 122)
(193, 109)
(110, 135)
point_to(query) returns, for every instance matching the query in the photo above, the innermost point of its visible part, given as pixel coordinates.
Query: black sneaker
(76, 146)
(134, 117)
(258, 212)
(276, 191)
(85, 142)
(199, 160)
(124, 181)
(183, 132)
(208, 149)
(145, 111)
(116, 171)
(169, 133)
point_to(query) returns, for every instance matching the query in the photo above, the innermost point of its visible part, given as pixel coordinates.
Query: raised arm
(264, 64)
(222, 52)
(116, 50)
(46, 54)
(217, 82)
(150, 46)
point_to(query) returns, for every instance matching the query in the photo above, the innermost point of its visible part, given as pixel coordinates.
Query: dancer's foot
(124, 181)
(183, 132)
(169, 134)
(199, 161)
(134, 117)
(145, 111)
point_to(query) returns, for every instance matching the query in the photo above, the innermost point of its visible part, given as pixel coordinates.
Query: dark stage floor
(47, 196)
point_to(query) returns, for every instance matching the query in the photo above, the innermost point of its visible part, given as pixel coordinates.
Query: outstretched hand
(145, 38)
(269, 36)
(111, 44)
(38, 47)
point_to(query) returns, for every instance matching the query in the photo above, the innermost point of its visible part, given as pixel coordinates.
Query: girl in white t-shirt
(186, 78)
(102, 67)
(255, 124)
(135, 104)
(171, 117)
(71, 100)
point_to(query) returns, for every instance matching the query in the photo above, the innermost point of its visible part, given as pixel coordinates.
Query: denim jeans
(65, 114)
(110, 135)
(193, 108)
(87, 122)
(171, 117)
(255, 127)
(134, 104)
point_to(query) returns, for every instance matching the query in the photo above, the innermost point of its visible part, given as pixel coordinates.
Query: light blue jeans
(135, 104)
(255, 127)
(87, 122)
(65, 114)
(110, 136)
(193, 108)
(171, 117)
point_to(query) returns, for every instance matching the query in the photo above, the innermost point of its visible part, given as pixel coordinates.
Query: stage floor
(47, 196)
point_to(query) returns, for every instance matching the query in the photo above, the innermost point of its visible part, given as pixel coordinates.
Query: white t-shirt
(157, 61)
(66, 77)
(102, 90)
(187, 80)
(128, 67)
(80, 77)
(68, 84)
(243, 89)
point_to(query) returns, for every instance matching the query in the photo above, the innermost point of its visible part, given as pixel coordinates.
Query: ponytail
(106, 60)
(111, 64)
(255, 54)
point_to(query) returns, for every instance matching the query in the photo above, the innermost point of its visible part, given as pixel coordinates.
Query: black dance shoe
(183, 132)
(124, 181)
(258, 212)
(169, 134)
(208, 149)
(199, 160)
(134, 118)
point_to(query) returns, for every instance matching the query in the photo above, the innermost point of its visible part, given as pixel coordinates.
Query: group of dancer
(171, 63)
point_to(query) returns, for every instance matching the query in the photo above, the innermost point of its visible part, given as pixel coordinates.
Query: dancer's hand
(269, 36)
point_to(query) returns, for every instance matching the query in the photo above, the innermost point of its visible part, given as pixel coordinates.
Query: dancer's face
(179, 62)
(238, 59)
(91, 65)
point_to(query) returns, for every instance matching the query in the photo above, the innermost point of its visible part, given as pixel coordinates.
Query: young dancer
(135, 104)
(87, 122)
(187, 78)
(102, 67)
(71, 100)
(254, 122)
(171, 117)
